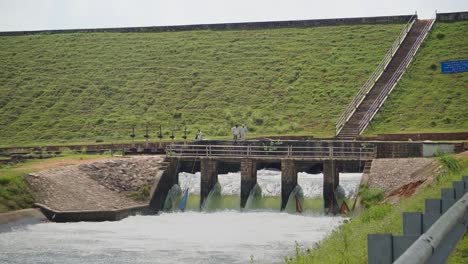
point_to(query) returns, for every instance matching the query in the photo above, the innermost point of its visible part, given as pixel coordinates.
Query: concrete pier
(209, 177)
(160, 190)
(248, 179)
(331, 179)
(288, 180)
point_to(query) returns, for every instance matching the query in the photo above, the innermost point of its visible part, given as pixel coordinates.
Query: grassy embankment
(348, 244)
(14, 191)
(79, 88)
(425, 100)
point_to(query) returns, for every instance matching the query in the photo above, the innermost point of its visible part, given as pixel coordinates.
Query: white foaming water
(270, 182)
(221, 237)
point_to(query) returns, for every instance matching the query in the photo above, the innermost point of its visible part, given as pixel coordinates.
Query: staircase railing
(364, 90)
(374, 108)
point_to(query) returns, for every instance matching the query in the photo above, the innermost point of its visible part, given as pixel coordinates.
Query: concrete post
(331, 177)
(208, 179)
(459, 187)
(379, 249)
(412, 223)
(448, 198)
(288, 180)
(432, 213)
(248, 179)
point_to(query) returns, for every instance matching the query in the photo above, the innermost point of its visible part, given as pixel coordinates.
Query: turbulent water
(226, 236)
(270, 182)
(221, 237)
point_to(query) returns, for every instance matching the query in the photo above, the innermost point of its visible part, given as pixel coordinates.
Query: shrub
(450, 163)
(4, 180)
(258, 121)
(433, 67)
(371, 196)
(440, 36)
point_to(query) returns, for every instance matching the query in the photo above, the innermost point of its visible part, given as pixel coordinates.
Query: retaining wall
(91, 216)
(418, 136)
(451, 17)
(230, 26)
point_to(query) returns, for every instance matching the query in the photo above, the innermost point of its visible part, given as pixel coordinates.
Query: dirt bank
(402, 177)
(98, 185)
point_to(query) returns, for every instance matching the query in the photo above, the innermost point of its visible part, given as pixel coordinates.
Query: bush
(14, 193)
(450, 163)
(371, 196)
(440, 36)
(258, 121)
(433, 67)
(4, 180)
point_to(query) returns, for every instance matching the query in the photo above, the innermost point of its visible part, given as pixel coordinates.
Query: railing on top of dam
(272, 151)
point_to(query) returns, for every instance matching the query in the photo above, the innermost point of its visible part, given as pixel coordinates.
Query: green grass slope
(425, 100)
(87, 86)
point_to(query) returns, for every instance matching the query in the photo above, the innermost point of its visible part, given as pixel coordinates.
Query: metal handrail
(366, 87)
(181, 150)
(374, 108)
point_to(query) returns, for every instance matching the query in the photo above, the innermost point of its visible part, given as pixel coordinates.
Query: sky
(18, 15)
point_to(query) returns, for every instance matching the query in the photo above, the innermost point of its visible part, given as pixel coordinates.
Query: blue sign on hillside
(454, 66)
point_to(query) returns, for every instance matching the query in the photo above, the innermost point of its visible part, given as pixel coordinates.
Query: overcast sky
(69, 14)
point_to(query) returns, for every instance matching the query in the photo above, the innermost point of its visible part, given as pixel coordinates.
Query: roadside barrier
(427, 238)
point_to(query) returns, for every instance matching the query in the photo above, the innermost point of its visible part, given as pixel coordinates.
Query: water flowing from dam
(267, 191)
(190, 237)
(270, 182)
(217, 234)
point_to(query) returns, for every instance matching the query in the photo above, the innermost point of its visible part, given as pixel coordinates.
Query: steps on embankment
(366, 104)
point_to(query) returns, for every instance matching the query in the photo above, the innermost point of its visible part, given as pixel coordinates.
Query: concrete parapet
(451, 17)
(230, 26)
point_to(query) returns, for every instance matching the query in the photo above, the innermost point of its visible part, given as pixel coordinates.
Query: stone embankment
(99, 186)
(401, 177)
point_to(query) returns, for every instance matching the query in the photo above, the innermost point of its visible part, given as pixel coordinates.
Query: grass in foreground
(348, 244)
(14, 190)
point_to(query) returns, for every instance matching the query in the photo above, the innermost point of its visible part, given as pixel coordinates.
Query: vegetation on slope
(86, 86)
(348, 244)
(425, 100)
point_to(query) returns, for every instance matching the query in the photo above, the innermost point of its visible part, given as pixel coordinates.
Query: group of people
(239, 131)
(236, 132)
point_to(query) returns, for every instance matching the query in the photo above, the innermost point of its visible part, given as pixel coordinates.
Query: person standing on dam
(198, 136)
(243, 132)
(235, 133)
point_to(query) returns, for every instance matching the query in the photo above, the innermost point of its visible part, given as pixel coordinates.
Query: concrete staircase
(374, 92)
(367, 166)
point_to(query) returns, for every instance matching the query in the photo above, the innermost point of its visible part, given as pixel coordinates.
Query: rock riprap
(101, 185)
